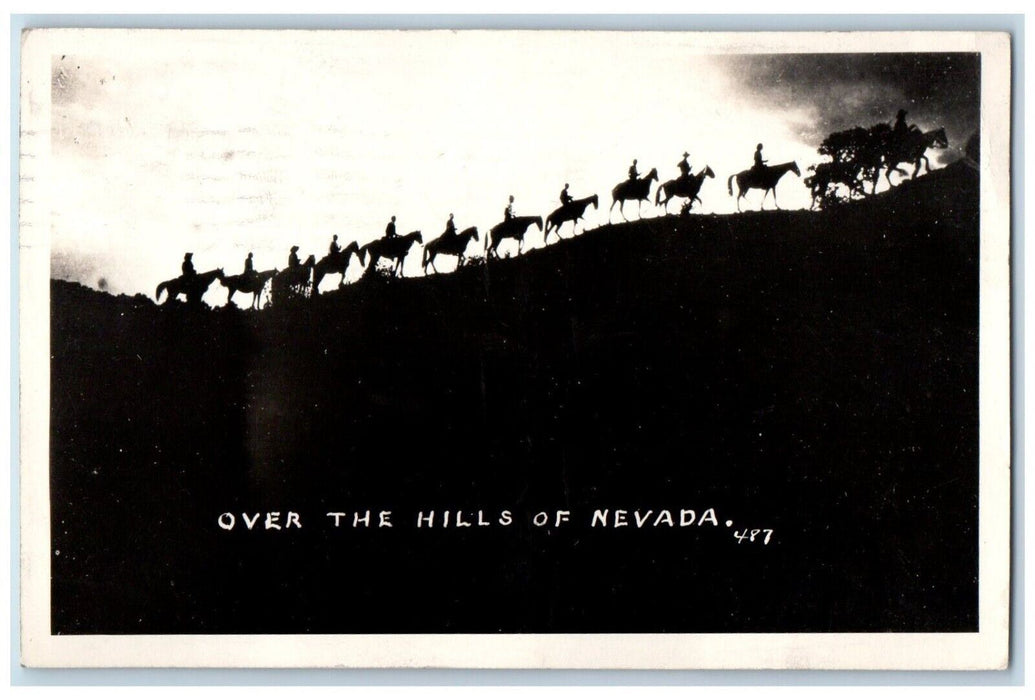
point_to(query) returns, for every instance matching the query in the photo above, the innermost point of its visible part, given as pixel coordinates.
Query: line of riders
(301, 276)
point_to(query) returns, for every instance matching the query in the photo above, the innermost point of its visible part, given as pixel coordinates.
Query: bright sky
(223, 143)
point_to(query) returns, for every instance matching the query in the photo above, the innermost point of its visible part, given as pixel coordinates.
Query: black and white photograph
(515, 349)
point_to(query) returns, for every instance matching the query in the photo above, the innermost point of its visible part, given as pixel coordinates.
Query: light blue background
(1014, 24)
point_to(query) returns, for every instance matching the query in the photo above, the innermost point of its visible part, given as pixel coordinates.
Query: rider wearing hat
(900, 128)
(684, 165)
(187, 268)
(293, 260)
(390, 229)
(565, 197)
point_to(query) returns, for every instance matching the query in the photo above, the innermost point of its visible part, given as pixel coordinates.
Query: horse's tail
(596, 202)
(424, 257)
(657, 195)
(539, 222)
(158, 290)
(729, 184)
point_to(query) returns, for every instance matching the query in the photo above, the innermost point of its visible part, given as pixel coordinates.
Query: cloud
(838, 91)
(77, 267)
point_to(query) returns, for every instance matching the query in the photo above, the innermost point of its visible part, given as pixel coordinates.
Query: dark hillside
(813, 373)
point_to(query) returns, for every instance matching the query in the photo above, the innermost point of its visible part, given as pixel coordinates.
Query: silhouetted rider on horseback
(508, 213)
(187, 268)
(759, 167)
(565, 197)
(684, 165)
(334, 249)
(450, 231)
(634, 175)
(390, 229)
(249, 267)
(293, 260)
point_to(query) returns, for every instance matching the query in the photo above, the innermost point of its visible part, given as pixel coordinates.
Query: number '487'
(753, 535)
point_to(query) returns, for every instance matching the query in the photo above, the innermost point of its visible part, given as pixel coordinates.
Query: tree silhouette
(856, 156)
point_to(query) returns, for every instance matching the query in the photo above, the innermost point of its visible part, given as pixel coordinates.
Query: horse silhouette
(687, 186)
(396, 249)
(572, 211)
(448, 245)
(912, 148)
(293, 281)
(334, 264)
(510, 228)
(191, 287)
(638, 190)
(765, 180)
(248, 284)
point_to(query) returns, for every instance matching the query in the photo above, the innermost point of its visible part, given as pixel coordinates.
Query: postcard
(515, 349)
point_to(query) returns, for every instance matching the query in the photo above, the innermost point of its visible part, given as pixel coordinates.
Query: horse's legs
(229, 296)
(775, 203)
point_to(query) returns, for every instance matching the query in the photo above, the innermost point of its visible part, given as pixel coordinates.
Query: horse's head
(939, 139)
(310, 261)
(417, 237)
(794, 168)
(652, 175)
(473, 233)
(708, 172)
(219, 274)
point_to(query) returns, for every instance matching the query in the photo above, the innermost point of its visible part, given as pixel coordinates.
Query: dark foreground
(814, 374)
